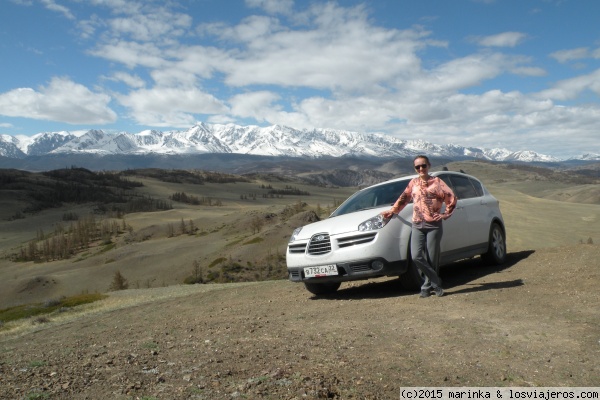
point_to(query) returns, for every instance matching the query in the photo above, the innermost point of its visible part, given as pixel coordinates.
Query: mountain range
(274, 140)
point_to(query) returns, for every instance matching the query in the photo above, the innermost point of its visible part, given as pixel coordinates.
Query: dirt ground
(534, 321)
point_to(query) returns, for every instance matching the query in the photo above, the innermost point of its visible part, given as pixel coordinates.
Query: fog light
(377, 265)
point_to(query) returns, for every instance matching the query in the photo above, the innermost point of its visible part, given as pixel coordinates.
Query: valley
(529, 322)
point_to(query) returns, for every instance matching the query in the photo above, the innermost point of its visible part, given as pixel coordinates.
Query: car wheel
(322, 288)
(412, 279)
(496, 253)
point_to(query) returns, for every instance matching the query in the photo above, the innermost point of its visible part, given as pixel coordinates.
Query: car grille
(295, 275)
(297, 248)
(354, 240)
(360, 267)
(319, 244)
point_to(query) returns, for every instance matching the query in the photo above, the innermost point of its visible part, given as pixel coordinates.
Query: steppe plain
(533, 321)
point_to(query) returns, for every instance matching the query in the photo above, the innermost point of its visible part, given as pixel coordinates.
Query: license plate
(323, 270)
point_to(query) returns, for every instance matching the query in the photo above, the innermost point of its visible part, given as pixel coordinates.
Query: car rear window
(477, 186)
(464, 188)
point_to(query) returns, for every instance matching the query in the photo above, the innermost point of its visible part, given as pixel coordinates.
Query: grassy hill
(532, 321)
(238, 228)
(238, 232)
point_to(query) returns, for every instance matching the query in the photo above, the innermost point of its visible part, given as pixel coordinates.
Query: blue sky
(514, 74)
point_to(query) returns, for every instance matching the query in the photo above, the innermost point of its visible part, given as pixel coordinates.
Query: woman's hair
(423, 157)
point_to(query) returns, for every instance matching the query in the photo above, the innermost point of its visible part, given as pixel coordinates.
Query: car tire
(412, 279)
(496, 253)
(322, 288)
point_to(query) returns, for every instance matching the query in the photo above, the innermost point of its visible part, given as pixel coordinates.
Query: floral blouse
(428, 197)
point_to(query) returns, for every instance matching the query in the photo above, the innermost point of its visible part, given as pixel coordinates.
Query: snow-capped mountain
(588, 157)
(42, 143)
(272, 141)
(9, 147)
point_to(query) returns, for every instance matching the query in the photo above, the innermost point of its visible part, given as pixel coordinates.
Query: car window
(463, 187)
(477, 186)
(446, 180)
(376, 196)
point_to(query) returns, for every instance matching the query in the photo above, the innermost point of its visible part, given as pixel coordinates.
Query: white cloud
(51, 5)
(154, 26)
(131, 54)
(528, 71)
(505, 39)
(130, 80)
(340, 50)
(564, 56)
(170, 107)
(273, 6)
(253, 28)
(570, 88)
(130, 7)
(255, 105)
(62, 100)
(87, 28)
(362, 114)
(459, 73)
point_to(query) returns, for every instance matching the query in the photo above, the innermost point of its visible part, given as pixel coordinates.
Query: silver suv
(356, 243)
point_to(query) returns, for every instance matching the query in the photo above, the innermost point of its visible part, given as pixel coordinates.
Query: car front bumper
(353, 270)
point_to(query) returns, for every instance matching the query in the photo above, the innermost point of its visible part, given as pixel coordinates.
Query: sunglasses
(422, 166)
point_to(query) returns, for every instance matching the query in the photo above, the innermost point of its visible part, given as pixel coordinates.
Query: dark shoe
(439, 292)
(425, 293)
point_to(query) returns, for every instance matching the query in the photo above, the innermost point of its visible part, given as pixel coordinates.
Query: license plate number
(323, 270)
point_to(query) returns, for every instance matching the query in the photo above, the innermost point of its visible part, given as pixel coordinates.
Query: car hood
(342, 224)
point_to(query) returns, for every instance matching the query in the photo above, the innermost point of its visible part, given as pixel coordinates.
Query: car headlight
(374, 223)
(294, 234)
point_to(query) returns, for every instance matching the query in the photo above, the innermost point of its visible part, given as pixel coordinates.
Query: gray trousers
(425, 250)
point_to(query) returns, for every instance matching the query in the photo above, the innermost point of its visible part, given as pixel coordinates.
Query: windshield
(377, 196)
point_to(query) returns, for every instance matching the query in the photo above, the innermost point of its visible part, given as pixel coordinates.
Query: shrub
(119, 282)
(213, 276)
(70, 216)
(232, 267)
(191, 280)
(40, 320)
(51, 303)
(196, 276)
(37, 395)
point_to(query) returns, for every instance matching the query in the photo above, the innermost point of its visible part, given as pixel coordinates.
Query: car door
(455, 227)
(476, 228)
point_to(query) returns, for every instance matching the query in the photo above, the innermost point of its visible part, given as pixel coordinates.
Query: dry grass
(148, 258)
(113, 301)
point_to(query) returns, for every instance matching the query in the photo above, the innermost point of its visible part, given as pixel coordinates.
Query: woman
(428, 194)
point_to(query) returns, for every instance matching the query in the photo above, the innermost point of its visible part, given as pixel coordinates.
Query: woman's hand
(439, 217)
(387, 214)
